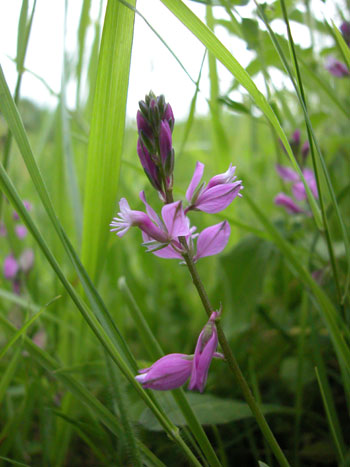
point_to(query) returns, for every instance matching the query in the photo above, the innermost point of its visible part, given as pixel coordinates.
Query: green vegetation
(93, 308)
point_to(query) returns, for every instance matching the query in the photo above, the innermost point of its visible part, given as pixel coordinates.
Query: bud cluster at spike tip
(173, 370)
(155, 124)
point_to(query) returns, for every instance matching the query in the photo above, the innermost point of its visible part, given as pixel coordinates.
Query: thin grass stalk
(315, 142)
(22, 45)
(50, 365)
(299, 382)
(326, 308)
(91, 319)
(133, 454)
(329, 414)
(314, 163)
(234, 367)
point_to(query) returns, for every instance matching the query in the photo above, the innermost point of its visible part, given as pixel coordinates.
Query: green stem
(232, 362)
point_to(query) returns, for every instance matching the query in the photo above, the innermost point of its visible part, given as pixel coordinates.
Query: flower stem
(232, 362)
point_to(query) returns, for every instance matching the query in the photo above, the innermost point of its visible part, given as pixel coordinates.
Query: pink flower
(21, 231)
(210, 241)
(160, 231)
(287, 174)
(298, 189)
(217, 195)
(204, 353)
(336, 68)
(11, 267)
(283, 200)
(169, 372)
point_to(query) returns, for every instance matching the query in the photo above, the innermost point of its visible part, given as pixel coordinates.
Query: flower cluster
(170, 234)
(173, 370)
(289, 175)
(15, 267)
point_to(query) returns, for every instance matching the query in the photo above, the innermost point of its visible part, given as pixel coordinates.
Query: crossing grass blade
(208, 38)
(106, 133)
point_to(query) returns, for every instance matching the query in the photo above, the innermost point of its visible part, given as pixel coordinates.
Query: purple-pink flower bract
(169, 372)
(217, 195)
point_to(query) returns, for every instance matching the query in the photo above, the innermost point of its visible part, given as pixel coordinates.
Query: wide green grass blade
(208, 38)
(106, 133)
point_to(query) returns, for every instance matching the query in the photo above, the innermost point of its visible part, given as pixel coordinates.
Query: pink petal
(175, 220)
(284, 200)
(218, 197)
(286, 173)
(10, 267)
(299, 191)
(197, 175)
(226, 177)
(213, 240)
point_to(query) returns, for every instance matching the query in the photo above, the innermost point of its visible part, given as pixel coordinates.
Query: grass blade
(207, 37)
(106, 133)
(328, 409)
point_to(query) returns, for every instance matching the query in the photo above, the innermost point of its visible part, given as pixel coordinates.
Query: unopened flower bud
(165, 141)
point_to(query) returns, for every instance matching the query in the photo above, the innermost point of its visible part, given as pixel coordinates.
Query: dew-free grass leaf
(210, 410)
(245, 267)
(107, 133)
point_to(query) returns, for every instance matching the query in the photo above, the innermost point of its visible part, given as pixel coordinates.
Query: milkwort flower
(336, 68)
(298, 188)
(169, 372)
(217, 195)
(205, 351)
(173, 370)
(161, 235)
(159, 231)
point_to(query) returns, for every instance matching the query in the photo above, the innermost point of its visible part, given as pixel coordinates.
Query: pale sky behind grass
(152, 65)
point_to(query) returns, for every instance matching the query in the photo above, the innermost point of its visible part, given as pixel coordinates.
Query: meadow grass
(78, 323)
